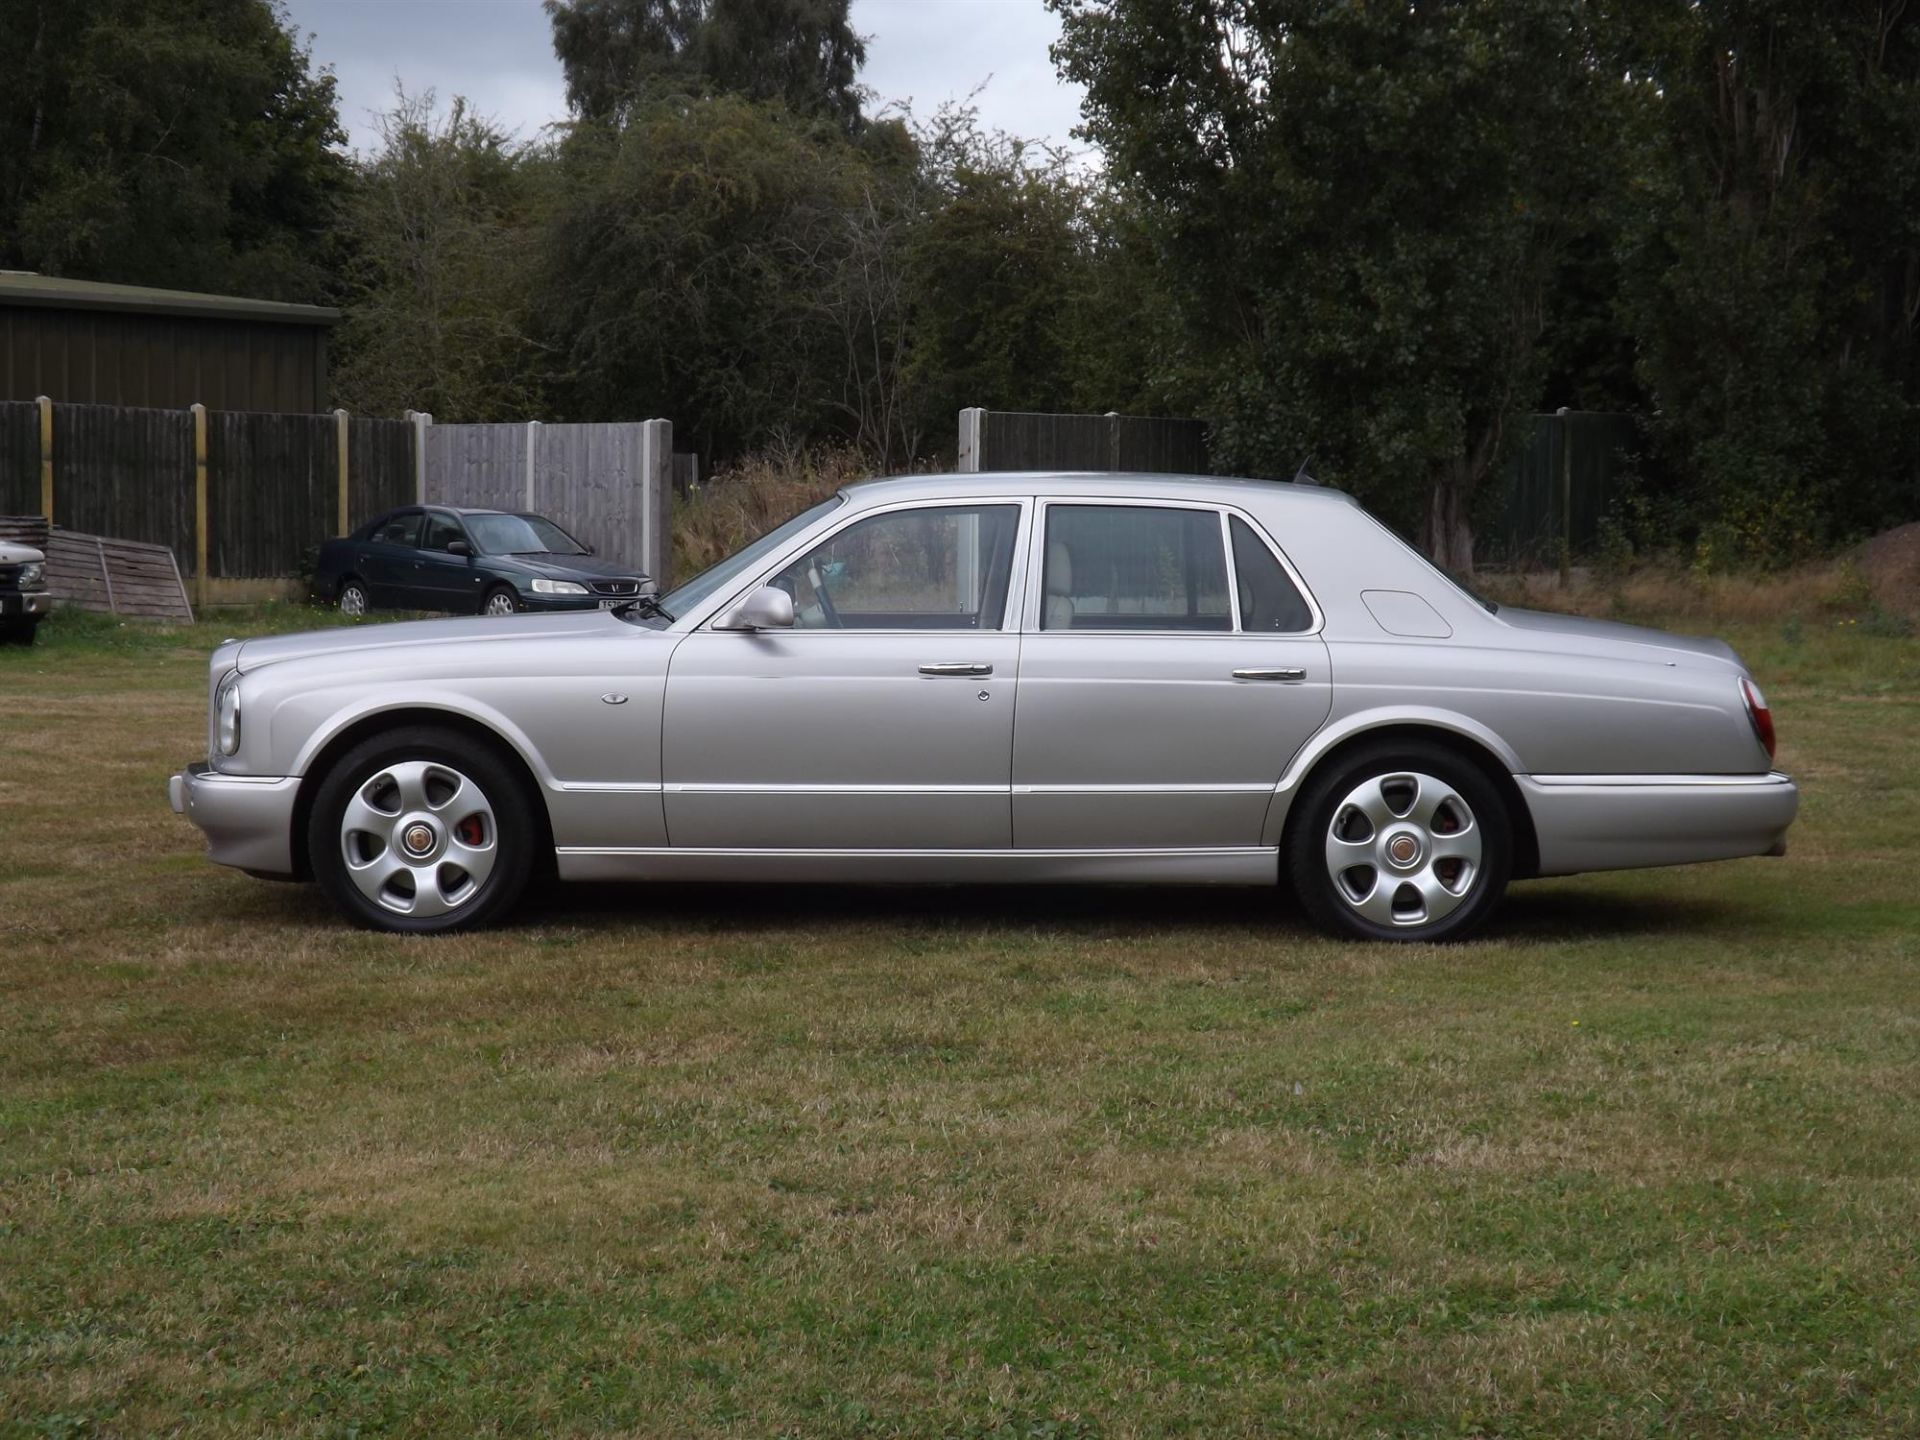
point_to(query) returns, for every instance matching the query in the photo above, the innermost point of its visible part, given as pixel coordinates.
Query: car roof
(1129, 484)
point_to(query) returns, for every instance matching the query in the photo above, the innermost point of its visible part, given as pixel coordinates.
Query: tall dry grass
(748, 498)
(1674, 593)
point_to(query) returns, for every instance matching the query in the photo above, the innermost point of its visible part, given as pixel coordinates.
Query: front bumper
(15, 603)
(1624, 822)
(247, 819)
(542, 604)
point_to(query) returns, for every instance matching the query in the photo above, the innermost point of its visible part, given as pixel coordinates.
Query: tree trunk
(1447, 533)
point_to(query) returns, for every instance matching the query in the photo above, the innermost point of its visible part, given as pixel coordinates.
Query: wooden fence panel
(19, 457)
(271, 491)
(1029, 440)
(608, 485)
(1559, 489)
(379, 468)
(125, 473)
(482, 466)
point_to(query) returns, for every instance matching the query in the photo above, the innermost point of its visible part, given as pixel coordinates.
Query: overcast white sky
(499, 54)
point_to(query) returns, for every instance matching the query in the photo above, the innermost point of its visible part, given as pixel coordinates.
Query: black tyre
(1403, 840)
(352, 598)
(501, 600)
(18, 632)
(423, 830)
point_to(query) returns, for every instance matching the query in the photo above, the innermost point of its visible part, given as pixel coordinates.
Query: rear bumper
(247, 819)
(1624, 822)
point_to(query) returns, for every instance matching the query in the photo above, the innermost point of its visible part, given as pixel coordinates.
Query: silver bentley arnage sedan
(999, 677)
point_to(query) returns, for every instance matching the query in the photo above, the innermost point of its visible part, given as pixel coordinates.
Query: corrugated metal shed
(83, 342)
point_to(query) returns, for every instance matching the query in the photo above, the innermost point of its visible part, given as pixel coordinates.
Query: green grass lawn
(945, 1162)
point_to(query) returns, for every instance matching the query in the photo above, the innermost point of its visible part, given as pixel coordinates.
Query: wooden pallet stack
(98, 572)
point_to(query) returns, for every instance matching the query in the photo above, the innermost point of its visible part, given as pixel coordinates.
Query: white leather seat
(1059, 581)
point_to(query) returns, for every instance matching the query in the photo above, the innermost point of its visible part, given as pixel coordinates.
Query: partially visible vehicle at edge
(24, 598)
(484, 562)
(1220, 681)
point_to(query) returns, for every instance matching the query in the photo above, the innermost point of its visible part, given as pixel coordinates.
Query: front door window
(927, 568)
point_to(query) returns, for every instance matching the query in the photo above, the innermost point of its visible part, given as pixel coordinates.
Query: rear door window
(1135, 567)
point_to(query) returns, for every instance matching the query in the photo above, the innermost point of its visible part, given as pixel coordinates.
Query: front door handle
(957, 667)
(1278, 672)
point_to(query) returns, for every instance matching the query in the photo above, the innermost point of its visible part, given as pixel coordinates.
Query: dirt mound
(1890, 562)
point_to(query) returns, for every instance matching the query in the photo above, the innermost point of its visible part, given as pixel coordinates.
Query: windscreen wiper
(646, 605)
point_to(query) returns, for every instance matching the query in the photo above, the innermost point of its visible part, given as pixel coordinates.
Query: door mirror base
(764, 609)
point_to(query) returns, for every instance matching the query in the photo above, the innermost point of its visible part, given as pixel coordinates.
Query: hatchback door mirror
(765, 609)
(459, 547)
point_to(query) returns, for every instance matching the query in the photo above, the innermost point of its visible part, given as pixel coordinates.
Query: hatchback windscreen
(520, 535)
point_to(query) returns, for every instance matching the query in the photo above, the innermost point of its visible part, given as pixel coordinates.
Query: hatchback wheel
(1401, 842)
(500, 601)
(422, 830)
(352, 599)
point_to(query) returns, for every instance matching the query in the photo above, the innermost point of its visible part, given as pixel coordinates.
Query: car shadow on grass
(1529, 916)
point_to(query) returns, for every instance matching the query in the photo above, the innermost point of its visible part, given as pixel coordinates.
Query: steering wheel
(831, 615)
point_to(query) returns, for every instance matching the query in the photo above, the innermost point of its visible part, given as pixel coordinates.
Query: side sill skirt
(1216, 865)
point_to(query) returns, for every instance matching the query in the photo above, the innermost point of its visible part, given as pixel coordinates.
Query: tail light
(1758, 713)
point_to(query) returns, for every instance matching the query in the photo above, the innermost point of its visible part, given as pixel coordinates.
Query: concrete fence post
(1566, 496)
(1113, 439)
(340, 461)
(656, 492)
(200, 502)
(972, 427)
(45, 402)
(533, 445)
(420, 420)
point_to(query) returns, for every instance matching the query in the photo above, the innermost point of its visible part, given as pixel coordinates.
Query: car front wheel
(422, 830)
(500, 601)
(1404, 842)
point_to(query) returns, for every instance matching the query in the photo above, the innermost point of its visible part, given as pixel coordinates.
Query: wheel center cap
(1403, 850)
(416, 839)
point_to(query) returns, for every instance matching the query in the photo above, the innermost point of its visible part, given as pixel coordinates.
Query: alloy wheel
(1403, 849)
(419, 838)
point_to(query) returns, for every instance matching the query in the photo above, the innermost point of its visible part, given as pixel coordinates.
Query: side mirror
(459, 547)
(765, 609)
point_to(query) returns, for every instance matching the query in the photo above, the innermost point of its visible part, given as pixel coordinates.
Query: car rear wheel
(422, 830)
(352, 599)
(1404, 842)
(500, 601)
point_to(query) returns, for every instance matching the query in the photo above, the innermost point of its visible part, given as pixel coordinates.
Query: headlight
(227, 707)
(558, 587)
(30, 574)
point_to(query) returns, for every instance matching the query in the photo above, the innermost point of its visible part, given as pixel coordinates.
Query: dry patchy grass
(943, 1162)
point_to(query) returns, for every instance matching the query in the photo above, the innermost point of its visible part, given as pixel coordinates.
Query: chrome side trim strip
(862, 854)
(1774, 777)
(1225, 787)
(608, 787)
(716, 787)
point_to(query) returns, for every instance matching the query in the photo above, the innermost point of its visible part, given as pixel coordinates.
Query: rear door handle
(956, 667)
(1278, 672)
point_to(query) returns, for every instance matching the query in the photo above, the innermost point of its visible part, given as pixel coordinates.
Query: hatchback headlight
(226, 704)
(558, 587)
(30, 575)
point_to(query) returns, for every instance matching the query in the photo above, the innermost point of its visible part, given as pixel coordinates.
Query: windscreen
(520, 535)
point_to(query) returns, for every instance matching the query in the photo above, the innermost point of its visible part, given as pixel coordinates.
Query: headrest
(1059, 569)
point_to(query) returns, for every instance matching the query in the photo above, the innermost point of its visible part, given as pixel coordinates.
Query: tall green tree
(1360, 210)
(801, 53)
(1771, 262)
(184, 143)
(442, 256)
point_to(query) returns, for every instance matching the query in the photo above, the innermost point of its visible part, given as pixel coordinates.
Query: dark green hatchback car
(487, 562)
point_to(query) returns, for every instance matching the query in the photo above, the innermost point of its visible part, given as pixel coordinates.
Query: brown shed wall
(103, 357)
